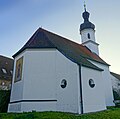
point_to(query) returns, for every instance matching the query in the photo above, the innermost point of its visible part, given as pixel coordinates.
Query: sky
(19, 19)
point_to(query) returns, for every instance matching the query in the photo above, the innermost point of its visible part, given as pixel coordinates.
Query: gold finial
(84, 6)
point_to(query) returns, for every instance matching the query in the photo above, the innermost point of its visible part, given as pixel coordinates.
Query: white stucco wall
(93, 98)
(107, 85)
(43, 72)
(84, 36)
(39, 75)
(67, 98)
(17, 88)
(39, 80)
(91, 45)
(40, 87)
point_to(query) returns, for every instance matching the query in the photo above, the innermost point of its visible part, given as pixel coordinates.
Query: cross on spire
(84, 6)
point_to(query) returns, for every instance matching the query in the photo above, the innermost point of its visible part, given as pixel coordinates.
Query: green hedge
(4, 100)
(116, 95)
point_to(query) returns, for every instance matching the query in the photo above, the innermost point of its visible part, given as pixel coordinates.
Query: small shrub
(4, 100)
(116, 95)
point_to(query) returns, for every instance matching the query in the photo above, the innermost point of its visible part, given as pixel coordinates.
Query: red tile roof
(74, 51)
(79, 48)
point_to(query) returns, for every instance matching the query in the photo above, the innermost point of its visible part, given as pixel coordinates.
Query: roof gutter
(81, 95)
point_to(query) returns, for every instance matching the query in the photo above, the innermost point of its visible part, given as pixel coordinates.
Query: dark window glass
(91, 83)
(118, 84)
(88, 36)
(63, 83)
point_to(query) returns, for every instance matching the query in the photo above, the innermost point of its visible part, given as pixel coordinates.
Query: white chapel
(52, 73)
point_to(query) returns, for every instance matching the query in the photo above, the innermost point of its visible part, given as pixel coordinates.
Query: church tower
(87, 31)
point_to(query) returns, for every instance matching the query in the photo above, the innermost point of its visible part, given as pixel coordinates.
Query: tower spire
(87, 24)
(87, 31)
(84, 6)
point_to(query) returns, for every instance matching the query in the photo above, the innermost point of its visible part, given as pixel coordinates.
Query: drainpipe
(81, 96)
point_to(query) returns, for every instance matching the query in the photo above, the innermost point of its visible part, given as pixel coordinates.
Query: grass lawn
(111, 113)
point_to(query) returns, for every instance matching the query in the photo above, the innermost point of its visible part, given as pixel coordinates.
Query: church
(52, 73)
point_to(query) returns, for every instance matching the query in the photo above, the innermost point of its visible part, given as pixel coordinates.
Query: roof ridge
(93, 66)
(79, 45)
(40, 29)
(74, 51)
(115, 73)
(32, 38)
(60, 36)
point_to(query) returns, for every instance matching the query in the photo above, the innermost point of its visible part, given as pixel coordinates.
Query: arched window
(88, 36)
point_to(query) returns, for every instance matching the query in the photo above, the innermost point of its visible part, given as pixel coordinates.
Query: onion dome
(87, 24)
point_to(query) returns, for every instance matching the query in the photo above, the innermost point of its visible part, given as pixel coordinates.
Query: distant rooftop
(116, 75)
(6, 67)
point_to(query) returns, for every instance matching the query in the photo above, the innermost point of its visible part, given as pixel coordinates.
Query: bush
(116, 98)
(4, 100)
(116, 95)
